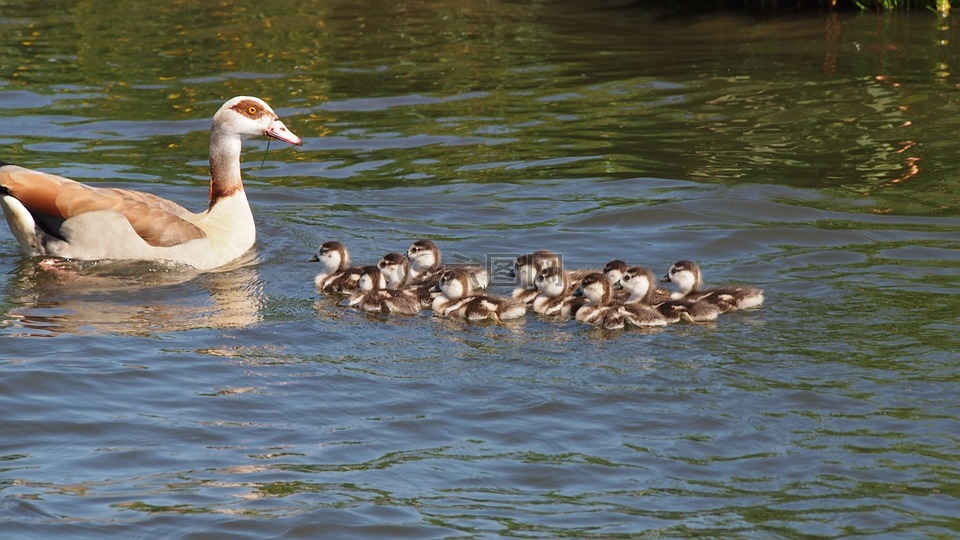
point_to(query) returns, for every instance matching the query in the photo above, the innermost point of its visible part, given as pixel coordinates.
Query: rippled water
(814, 156)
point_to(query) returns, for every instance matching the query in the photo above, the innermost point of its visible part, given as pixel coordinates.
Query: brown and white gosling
(528, 266)
(373, 296)
(689, 281)
(640, 283)
(555, 296)
(425, 262)
(458, 300)
(336, 275)
(395, 268)
(602, 310)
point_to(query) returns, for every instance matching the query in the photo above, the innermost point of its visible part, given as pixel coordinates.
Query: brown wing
(158, 221)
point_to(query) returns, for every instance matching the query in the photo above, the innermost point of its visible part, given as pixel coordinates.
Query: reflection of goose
(55, 216)
(58, 296)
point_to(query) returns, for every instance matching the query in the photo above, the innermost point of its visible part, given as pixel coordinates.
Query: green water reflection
(858, 105)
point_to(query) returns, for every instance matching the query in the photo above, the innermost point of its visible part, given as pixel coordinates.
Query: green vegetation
(941, 6)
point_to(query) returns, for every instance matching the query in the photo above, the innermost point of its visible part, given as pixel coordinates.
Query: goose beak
(280, 132)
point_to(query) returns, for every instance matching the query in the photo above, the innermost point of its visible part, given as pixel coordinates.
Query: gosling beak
(665, 278)
(315, 258)
(617, 285)
(578, 292)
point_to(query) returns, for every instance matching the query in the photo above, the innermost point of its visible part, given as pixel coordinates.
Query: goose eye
(253, 110)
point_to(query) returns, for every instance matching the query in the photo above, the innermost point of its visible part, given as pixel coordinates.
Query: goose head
(455, 284)
(528, 265)
(424, 256)
(371, 279)
(639, 282)
(685, 275)
(333, 256)
(247, 116)
(239, 118)
(552, 282)
(596, 288)
(614, 271)
(395, 267)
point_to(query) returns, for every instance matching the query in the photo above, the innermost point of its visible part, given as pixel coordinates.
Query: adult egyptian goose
(55, 216)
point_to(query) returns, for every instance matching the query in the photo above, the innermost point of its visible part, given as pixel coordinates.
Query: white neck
(224, 165)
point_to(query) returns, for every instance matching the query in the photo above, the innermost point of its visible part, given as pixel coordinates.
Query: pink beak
(280, 132)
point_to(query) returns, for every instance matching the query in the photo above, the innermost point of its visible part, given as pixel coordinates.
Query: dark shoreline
(690, 7)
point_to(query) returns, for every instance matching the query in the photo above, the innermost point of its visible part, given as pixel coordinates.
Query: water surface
(812, 155)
